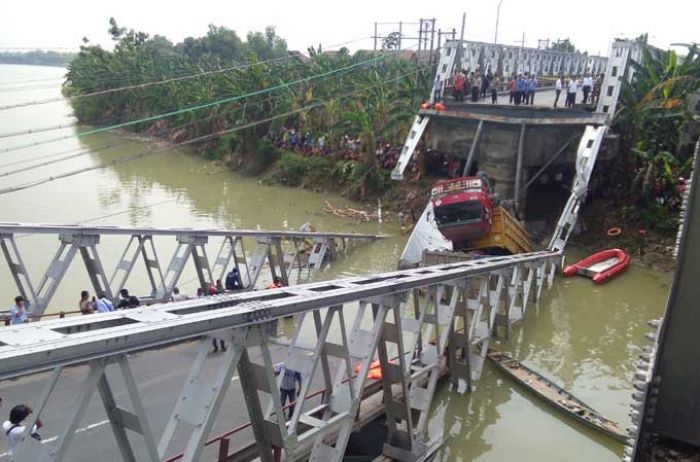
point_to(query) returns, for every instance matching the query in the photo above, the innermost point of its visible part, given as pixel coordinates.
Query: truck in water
(467, 214)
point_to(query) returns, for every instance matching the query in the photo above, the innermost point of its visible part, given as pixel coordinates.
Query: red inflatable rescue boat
(601, 266)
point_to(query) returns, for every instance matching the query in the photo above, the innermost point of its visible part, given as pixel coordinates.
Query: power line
(200, 106)
(201, 138)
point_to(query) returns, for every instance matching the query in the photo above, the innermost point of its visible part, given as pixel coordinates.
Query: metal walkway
(284, 252)
(413, 316)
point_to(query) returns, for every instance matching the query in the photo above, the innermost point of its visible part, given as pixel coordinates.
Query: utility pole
(432, 39)
(464, 22)
(420, 34)
(375, 36)
(498, 15)
(400, 34)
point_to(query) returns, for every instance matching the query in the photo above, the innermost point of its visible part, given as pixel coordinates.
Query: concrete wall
(497, 149)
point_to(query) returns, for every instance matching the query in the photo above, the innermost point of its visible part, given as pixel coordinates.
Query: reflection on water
(583, 336)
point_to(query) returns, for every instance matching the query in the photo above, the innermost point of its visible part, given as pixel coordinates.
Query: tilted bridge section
(282, 252)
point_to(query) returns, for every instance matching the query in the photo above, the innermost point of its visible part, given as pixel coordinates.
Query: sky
(590, 24)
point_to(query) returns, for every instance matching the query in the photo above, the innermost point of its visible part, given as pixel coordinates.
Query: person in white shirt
(177, 296)
(587, 85)
(571, 94)
(557, 89)
(14, 428)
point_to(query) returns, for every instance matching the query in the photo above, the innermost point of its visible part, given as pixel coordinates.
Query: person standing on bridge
(513, 88)
(597, 87)
(495, 83)
(587, 86)
(571, 93)
(18, 312)
(558, 85)
(521, 87)
(14, 430)
(531, 88)
(288, 386)
(476, 87)
(437, 90)
(459, 86)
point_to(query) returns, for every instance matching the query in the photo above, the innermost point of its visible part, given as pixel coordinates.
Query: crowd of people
(521, 88)
(346, 148)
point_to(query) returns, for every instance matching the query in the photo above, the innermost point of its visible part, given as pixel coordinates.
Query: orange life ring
(614, 231)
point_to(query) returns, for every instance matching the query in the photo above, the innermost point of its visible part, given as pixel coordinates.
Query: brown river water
(585, 337)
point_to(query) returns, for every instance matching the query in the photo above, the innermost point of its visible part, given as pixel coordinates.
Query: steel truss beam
(280, 252)
(404, 320)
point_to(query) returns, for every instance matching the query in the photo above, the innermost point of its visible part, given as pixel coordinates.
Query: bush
(265, 154)
(296, 170)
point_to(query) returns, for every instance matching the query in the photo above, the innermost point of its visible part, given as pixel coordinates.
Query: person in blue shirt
(531, 88)
(291, 381)
(520, 89)
(18, 312)
(103, 304)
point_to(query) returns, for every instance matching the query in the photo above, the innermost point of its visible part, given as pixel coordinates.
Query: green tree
(564, 46)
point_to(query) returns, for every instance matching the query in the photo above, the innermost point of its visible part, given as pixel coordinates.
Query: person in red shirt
(459, 86)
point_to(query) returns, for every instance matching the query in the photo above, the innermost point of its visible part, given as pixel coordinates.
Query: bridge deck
(541, 112)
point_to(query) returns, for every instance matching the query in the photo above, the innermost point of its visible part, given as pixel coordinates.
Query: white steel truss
(401, 323)
(278, 251)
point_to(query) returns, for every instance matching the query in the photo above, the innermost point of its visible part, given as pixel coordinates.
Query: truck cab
(463, 209)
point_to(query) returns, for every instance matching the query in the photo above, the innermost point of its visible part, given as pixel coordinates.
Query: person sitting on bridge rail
(558, 85)
(200, 292)
(14, 430)
(233, 280)
(288, 386)
(177, 296)
(103, 304)
(85, 304)
(127, 301)
(18, 312)
(220, 289)
(587, 86)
